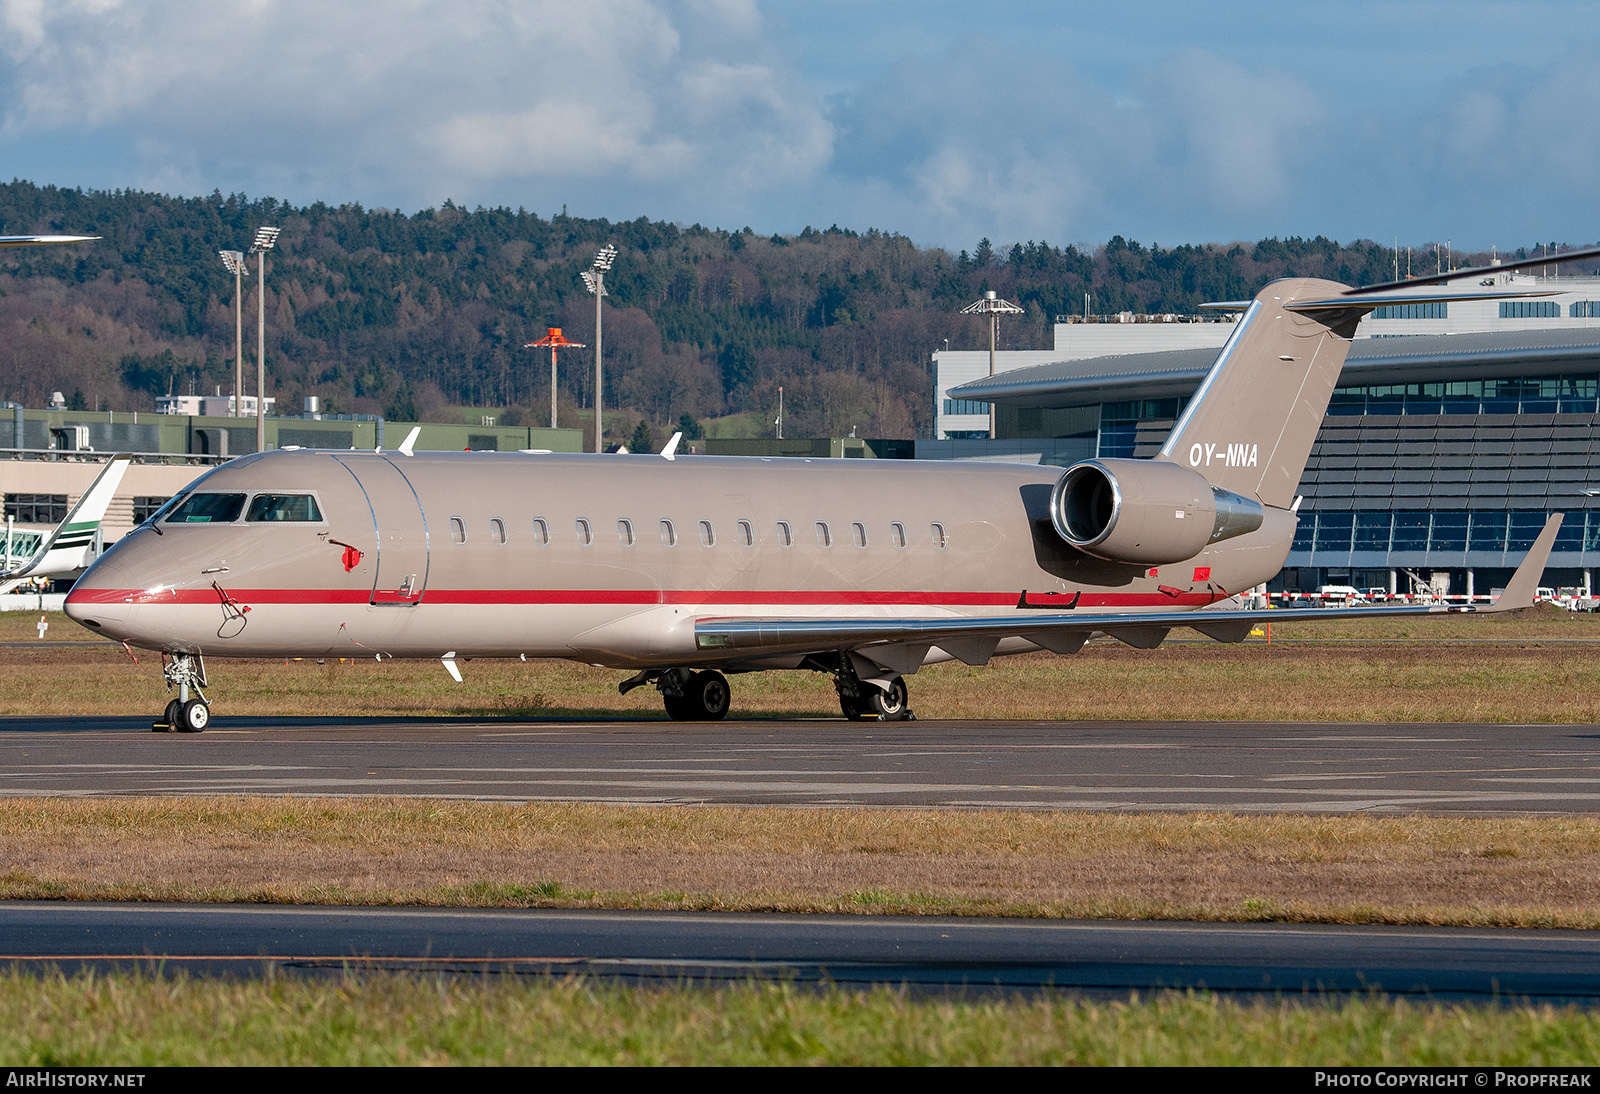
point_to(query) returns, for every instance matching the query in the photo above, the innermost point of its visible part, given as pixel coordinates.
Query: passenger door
(400, 574)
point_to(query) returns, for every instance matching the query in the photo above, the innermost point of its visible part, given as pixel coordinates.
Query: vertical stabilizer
(67, 546)
(1250, 426)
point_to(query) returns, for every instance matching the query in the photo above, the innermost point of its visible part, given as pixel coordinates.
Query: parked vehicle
(1575, 598)
(1347, 595)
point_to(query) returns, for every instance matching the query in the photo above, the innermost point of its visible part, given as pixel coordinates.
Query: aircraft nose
(99, 599)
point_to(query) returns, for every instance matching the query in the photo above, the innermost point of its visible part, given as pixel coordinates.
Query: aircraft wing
(37, 241)
(66, 548)
(901, 644)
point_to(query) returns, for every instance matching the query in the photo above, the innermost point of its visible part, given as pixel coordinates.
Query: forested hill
(380, 312)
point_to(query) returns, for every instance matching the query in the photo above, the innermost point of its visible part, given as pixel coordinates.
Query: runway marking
(1343, 738)
(290, 958)
(160, 768)
(528, 733)
(1401, 936)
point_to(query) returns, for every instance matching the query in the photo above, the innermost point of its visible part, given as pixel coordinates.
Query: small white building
(209, 406)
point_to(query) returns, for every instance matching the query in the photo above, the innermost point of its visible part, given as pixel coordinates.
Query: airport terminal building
(1453, 433)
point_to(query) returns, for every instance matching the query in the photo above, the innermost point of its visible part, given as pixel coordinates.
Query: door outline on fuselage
(406, 539)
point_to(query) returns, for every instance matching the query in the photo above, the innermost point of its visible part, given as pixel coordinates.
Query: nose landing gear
(187, 713)
(871, 703)
(880, 698)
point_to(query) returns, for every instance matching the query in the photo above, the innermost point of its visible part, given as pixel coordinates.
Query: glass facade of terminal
(1544, 395)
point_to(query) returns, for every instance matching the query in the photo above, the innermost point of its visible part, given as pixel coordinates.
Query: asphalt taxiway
(1237, 766)
(928, 953)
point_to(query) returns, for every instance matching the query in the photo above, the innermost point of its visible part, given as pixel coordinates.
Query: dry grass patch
(1391, 680)
(1540, 622)
(1420, 870)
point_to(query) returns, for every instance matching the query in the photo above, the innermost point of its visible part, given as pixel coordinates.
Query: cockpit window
(171, 504)
(208, 509)
(283, 507)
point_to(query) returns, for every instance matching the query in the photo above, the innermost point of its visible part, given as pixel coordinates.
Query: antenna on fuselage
(670, 449)
(411, 439)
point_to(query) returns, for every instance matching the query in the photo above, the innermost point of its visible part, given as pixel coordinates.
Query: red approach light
(553, 339)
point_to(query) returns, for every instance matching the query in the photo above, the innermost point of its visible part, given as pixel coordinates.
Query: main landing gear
(689, 696)
(871, 703)
(703, 696)
(187, 713)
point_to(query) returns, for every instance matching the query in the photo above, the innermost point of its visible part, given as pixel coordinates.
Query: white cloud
(989, 140)
(1154, 120)
(557, 137)
(1232, 132)
(477, 100)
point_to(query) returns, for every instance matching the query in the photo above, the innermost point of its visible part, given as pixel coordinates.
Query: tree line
(381, 312)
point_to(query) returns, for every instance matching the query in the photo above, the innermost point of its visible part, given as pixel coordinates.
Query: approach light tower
(994, 307)
(237, 266)
(265, 239)
(594, 279)
(553, 339)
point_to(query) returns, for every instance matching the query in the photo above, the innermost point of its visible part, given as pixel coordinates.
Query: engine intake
(1146, 511)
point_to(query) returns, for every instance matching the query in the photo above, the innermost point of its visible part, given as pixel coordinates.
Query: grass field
(140, 1021)
(1464, 871)
(1534, 666)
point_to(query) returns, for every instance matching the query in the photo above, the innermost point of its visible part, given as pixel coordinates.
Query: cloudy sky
(1166, 121)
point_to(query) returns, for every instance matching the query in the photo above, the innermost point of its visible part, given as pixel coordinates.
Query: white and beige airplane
(66, 548)
(44, 240)
(683, 570)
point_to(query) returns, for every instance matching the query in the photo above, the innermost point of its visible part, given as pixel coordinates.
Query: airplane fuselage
(609, 559)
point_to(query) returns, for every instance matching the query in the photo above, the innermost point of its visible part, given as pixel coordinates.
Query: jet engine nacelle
(1146, 511)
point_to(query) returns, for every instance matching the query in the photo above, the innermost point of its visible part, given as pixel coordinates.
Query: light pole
(994, 307)
(235, 262)
(265, 238)
(594, 279)
(553, 339)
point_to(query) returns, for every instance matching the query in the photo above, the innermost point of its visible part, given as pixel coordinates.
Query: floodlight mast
(234, 261)
(594, 279)
(994, 307)
(265, 239)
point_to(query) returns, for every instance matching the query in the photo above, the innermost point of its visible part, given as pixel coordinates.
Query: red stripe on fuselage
(491, 597)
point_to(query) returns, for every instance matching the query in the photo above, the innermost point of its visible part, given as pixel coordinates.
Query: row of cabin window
(745, 535)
